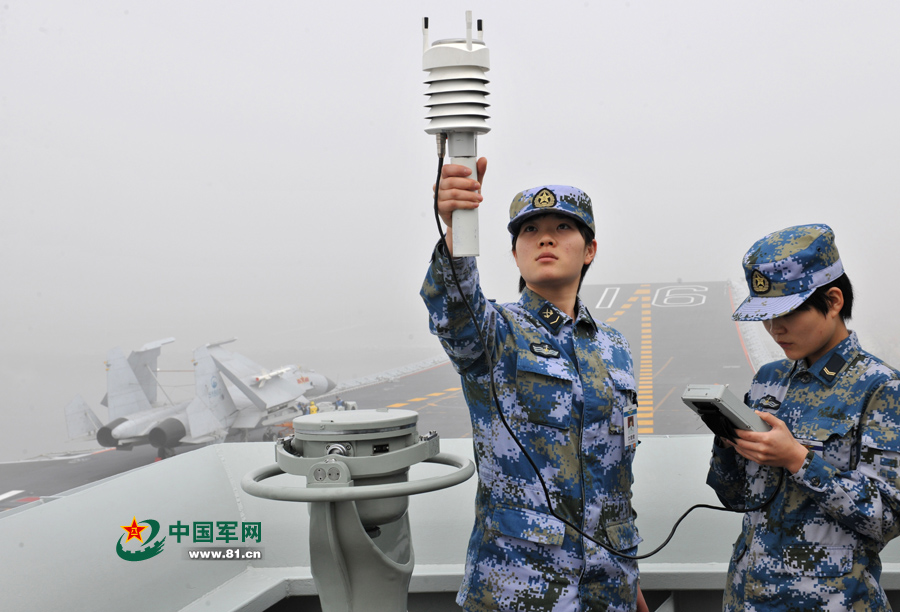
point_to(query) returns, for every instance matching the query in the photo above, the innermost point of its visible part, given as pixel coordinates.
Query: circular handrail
(251, 483)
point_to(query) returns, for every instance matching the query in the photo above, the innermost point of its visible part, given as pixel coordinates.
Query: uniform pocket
(623, 536)
(829, 438)
(822, 429)
(625, 397)
(623, 381)
(528, 525)
(818, 561)
(544, 389)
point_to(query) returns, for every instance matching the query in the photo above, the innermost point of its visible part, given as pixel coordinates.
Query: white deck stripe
(10, 494)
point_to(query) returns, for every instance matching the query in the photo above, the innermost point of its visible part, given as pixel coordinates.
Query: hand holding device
(458, 189)
(722, 411)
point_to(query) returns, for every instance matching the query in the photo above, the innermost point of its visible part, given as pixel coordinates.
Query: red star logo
(134, 530)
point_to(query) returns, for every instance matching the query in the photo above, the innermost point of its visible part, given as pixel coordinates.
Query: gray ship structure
(110, 531)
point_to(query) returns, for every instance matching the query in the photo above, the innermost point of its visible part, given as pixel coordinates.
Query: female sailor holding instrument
(835, 416)
(564, 384)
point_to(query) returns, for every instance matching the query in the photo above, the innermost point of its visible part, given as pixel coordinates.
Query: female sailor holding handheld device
(564, 384)
(835, 416)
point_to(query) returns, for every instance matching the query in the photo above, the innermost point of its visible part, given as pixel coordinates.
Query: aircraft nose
(321, 384)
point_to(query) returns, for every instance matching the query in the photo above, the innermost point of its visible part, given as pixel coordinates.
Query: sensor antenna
(456, 102)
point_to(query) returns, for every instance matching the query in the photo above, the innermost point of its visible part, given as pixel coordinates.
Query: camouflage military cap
(559, 199)
(785, 267)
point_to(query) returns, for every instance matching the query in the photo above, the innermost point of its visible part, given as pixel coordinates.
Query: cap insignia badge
(544, 199)
(759, 282)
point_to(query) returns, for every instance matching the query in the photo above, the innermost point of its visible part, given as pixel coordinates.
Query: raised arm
(450, 319)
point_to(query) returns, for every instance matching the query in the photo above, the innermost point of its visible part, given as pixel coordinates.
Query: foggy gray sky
(213, 169)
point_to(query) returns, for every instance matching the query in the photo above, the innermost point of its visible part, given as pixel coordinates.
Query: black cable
(493, 391)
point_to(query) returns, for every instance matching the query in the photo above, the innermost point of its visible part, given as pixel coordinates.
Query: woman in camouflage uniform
(835, 416)
(563, 383)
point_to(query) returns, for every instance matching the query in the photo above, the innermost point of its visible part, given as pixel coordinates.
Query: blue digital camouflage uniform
(816, 546)
(563, 386)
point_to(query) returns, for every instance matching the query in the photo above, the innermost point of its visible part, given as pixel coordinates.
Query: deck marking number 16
(680, 295)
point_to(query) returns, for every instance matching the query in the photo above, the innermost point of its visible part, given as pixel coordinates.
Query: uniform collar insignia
(836, 360)
(551, 317)
(832, 367)
(544, 350)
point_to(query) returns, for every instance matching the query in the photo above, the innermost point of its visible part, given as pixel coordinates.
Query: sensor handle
(251, 483)
(465, 221)
(463, 150)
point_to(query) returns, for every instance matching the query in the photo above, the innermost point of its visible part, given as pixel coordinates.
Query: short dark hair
(588, 236)
(819, 299)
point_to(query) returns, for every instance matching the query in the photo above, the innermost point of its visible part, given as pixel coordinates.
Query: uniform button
(815, 481)
(805, 377)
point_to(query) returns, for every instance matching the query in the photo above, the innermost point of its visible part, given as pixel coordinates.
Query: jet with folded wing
(232, 395)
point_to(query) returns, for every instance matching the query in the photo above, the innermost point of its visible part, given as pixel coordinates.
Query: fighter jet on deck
(233, 395)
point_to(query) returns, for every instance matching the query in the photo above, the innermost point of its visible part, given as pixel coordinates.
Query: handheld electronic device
(721, 410)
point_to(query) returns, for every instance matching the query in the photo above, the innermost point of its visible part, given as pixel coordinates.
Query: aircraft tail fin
(81, 421)
(143, 363)
(213, 408)
(124, 392)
